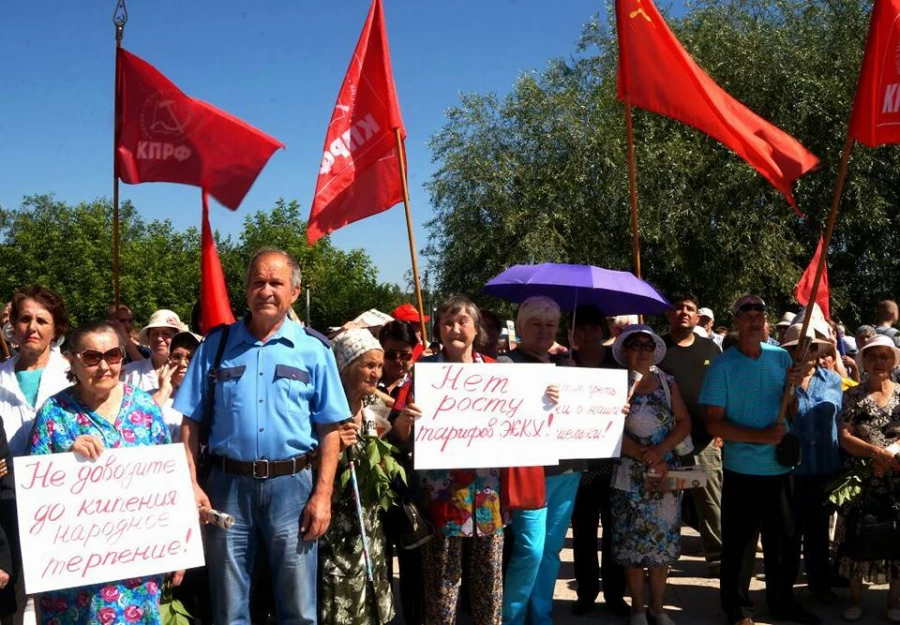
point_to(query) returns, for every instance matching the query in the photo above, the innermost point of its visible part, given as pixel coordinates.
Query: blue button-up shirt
(268, 395)
(816, 423)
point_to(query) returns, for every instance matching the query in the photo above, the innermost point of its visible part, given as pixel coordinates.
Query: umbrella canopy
(570, 286)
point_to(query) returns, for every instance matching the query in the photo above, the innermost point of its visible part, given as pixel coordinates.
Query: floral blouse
(463, 502)
(61, 420)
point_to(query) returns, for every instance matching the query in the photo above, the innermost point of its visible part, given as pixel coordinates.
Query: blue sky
(277, 65)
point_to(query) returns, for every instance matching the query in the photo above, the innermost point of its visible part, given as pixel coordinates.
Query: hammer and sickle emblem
(639, 12)
(166, 120)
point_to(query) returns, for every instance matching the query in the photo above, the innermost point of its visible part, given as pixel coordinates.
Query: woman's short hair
(456, 304)
(400, 331)
(75, 342)
(46, 298)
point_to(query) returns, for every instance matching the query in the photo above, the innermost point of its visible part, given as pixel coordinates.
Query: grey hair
(265, 251)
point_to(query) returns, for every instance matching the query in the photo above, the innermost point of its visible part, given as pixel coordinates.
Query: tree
(541, 175)
(69, 250)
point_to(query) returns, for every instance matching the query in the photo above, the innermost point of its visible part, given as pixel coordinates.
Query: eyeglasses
(641, 346)
(748, 307)
(185, 358)
(393, 354)
(92, 358)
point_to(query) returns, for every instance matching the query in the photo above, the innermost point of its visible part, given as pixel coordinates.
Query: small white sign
(588, 421)
(128, 514)
(478, 416)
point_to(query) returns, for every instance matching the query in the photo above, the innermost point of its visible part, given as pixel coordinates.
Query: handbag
(873, 529)
(788, 452)
(523, 488)
(414, 530)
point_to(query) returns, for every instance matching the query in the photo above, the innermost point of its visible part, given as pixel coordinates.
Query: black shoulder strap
(318, 335)
(209, 408)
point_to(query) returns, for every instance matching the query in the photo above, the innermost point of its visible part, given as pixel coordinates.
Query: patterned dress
(344, 591)
(878, 426)
(647, 524)
(61, 420)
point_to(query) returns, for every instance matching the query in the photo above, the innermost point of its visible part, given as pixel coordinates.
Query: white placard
(588, 421)
(128, 514)
(477, 416)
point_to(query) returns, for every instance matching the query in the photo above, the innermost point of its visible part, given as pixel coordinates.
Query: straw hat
(879, 340)
(161, 319)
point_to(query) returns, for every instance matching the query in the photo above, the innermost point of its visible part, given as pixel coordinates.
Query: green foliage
(541, 175)
(848, 486)
(69, 250)
(376, 472)
(171, 610)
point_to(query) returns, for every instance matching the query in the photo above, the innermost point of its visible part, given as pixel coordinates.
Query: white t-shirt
(142, 375)
(173, 420)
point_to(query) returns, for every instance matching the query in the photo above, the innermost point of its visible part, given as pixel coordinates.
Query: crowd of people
(308, 444)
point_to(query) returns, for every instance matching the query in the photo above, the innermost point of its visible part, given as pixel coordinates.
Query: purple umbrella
(613, 292)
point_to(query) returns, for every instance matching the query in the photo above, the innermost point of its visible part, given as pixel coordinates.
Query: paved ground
(693, 599)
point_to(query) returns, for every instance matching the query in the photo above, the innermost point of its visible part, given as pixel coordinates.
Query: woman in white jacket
(39, 320)
(38, 371)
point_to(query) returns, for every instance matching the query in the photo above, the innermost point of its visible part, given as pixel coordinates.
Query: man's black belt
(263, 469)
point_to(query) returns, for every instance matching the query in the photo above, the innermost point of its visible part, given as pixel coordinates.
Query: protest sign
(127, 514)
(588, 421)
(483, 415)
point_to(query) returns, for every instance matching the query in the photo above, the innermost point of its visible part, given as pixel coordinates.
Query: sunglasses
(641, 346)
(748, 307)
(92, 358)
(393, 354)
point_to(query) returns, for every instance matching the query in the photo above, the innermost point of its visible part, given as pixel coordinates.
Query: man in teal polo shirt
(278, 398)
(742, 395)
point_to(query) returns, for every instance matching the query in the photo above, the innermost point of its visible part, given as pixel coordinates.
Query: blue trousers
(267, 514)
(538, 538)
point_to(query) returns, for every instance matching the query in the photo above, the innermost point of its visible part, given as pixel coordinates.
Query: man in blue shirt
(742, 395)
(278, 400)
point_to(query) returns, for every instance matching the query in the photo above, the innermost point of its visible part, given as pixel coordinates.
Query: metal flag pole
(120, 18)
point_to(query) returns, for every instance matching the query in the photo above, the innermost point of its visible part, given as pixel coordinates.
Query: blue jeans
(538, 537)
(267, 514)
(528, 528)
(561, 491)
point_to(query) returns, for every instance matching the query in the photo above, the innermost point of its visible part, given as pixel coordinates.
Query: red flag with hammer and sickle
(163, 135)
(656, 73)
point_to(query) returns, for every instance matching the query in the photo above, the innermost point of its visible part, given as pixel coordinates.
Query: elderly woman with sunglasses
(98, 412)
(398, 338)
(815, 423)
(646, 527)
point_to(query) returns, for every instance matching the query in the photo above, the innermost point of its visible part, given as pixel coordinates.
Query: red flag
(215, 309)
(360, 171)
(163, 135)
(804, 288)
(656, 73)
(876, 110)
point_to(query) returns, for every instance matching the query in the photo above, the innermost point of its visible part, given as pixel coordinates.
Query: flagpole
(412, 240)
(632, 187)
(120, 17)
(803, 346)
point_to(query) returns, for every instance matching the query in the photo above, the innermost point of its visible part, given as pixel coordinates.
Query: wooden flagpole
(803, 346)
(120, 17)
(412, 240)
(632, 187)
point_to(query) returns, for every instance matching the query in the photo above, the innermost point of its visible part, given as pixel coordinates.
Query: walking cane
(359, 513)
